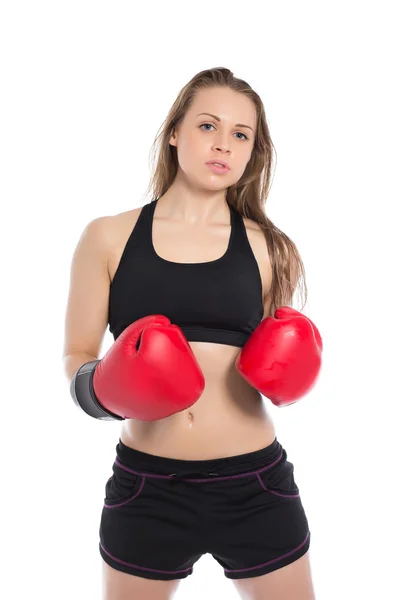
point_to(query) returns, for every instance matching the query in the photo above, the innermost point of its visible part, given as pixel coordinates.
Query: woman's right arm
(87, 307)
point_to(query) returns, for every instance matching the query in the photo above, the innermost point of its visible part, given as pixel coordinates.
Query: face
(202, 137)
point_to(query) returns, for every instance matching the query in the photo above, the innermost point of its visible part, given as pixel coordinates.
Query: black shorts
(160, 515)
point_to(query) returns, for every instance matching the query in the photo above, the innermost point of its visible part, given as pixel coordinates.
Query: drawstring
(200, 472)
(244, 466)
(192, 474)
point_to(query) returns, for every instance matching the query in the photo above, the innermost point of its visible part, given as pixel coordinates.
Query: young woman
(193, 286)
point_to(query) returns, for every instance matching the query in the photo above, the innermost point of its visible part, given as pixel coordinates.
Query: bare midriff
(228, 419)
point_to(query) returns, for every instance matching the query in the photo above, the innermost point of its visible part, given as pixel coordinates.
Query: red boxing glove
(153, 381)
(282, 358)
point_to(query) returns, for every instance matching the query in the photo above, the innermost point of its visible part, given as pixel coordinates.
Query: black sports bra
(217, 301)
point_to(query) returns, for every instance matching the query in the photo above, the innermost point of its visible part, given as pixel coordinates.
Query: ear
(173, 136)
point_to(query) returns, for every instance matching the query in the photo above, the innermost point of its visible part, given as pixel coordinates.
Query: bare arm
(87, 307)
(72, 362)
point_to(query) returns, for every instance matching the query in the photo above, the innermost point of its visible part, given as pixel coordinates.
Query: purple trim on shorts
(275, 493)
(129, 499)
(270, 561)
(123, 562)
(127, 564)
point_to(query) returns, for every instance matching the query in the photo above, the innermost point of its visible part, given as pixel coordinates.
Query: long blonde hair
(249, 194)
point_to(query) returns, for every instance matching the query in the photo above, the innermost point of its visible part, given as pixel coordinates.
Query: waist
(219, 425)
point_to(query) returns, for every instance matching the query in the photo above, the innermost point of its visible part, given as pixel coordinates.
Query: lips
(220, 162)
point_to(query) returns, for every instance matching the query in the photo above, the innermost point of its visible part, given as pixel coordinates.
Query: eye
(239, 132)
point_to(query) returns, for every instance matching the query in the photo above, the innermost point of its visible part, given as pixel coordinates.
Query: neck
(194, 206)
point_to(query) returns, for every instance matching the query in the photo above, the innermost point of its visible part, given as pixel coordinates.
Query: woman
(184, 283)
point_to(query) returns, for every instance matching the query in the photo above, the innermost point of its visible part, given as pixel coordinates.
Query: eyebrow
(218, 119)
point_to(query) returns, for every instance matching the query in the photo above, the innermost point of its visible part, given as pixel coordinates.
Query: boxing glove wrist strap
(82, 392)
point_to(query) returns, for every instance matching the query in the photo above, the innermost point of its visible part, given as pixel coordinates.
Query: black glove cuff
(82, 392)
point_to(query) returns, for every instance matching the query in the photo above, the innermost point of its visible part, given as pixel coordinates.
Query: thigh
(289, 582)
(118, 585)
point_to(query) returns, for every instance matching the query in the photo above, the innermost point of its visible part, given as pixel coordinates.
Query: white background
(85, 87)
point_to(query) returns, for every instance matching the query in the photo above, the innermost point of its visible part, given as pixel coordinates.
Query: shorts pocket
(279, 480)
(122, 487)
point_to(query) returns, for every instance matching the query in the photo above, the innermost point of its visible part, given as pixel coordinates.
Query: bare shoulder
(256, 235)
(122, 221)
(119, 227)
(252, 225)
(259, 246)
